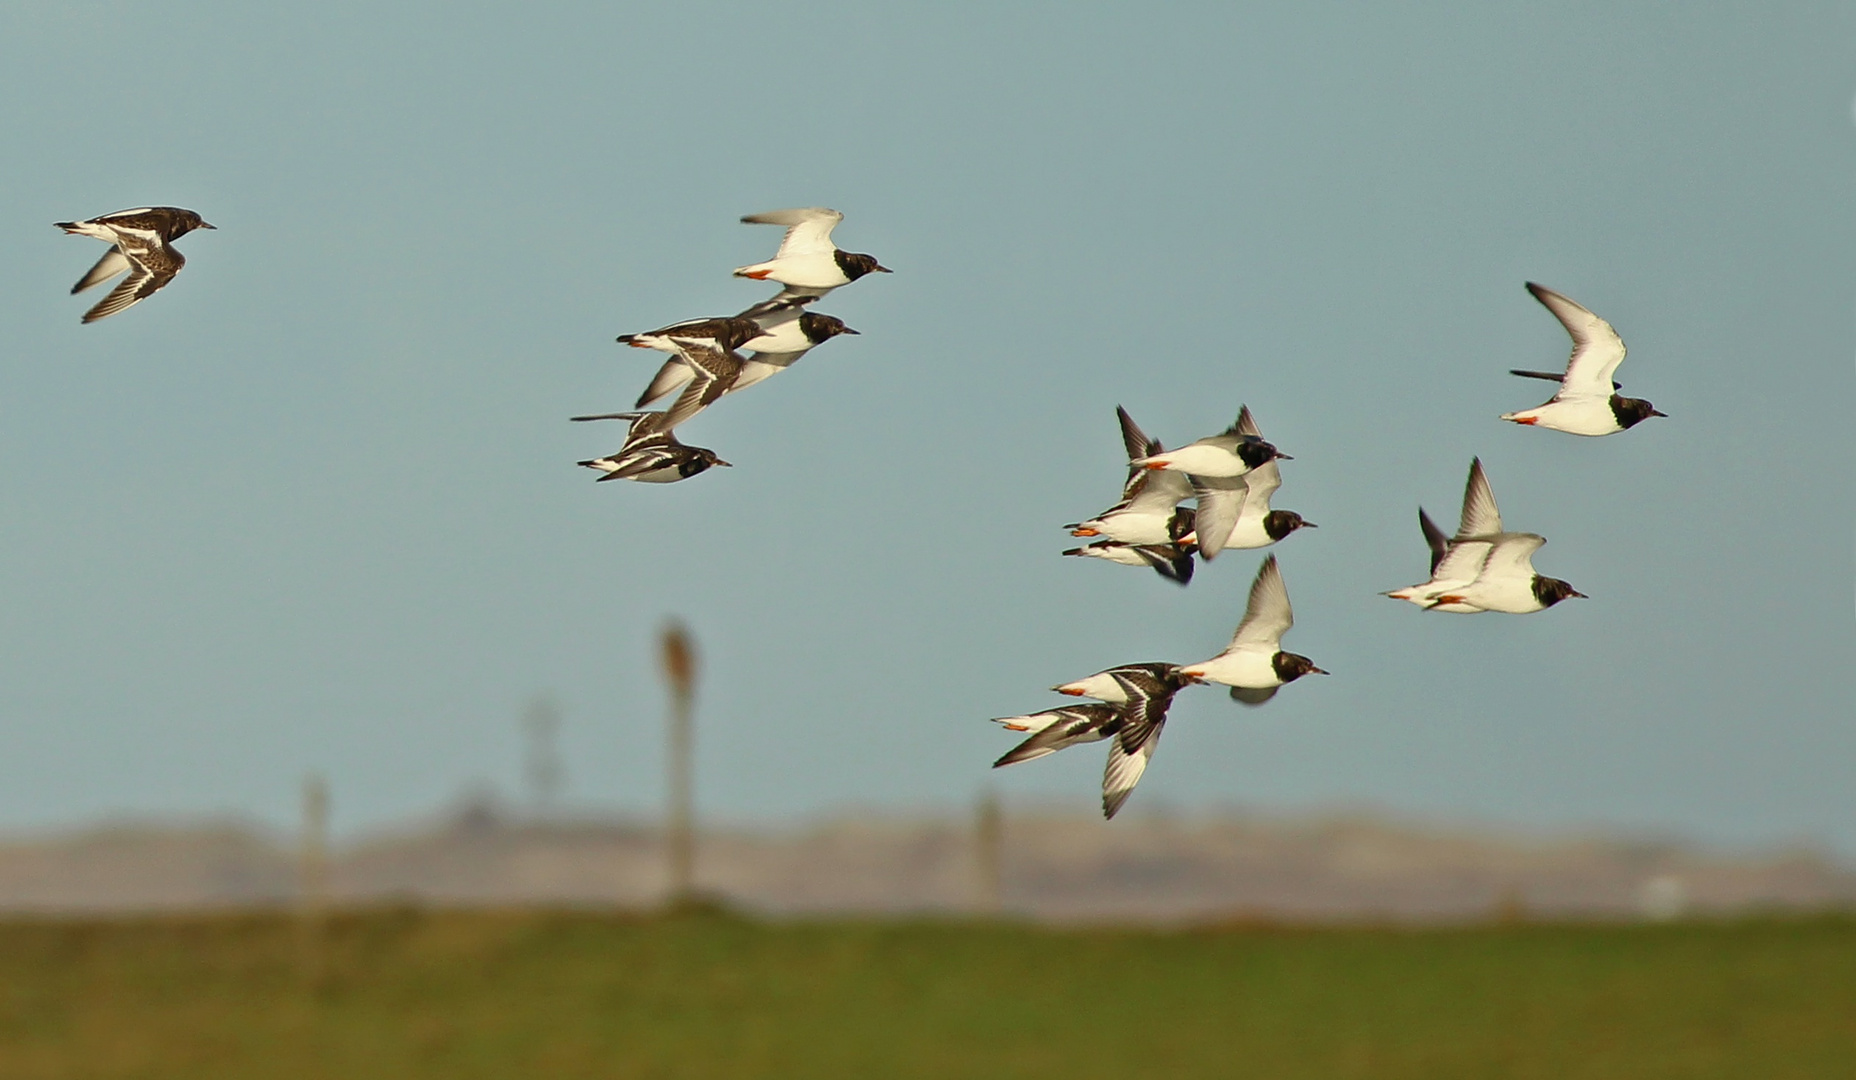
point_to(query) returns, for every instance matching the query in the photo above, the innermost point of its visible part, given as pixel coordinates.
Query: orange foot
(757, 275)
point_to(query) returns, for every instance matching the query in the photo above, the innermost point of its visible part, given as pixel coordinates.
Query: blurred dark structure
(989, 853)
(542, 767)
(678, 654)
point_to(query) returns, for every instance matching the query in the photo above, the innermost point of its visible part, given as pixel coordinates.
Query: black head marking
(1631, 411)
(855, 266)
(699, 460)
(1292, 666)
(1254, 452)
(1181, 523)
(820, 328)
(181, 223)
(1550, 591)
(1280, 523)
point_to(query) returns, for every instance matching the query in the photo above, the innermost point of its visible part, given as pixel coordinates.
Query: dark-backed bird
(141, 243)
(651, 454)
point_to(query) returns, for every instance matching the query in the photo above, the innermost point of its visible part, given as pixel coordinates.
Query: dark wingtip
(625, 339)
(67, 226)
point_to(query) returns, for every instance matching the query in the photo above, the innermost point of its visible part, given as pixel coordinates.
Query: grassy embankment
(461, 995)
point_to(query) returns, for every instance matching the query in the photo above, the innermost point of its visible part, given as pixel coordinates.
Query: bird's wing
(640, 461)
(1068, 726)
(1170, 561)
(808, 229)
(1267, 616)
(1246, 424)
(1221, 500)
(1245, 695)
(1434, 538)
(1143, 717)
(673, 374)
(1596, 348)
(1512, 556)
(1132, 437)
(144, 278)
(783, 306)
(1480, 516)
(1462, 563)
(713, 374)
(112, 263)
(1261, 482)
(1157, 491)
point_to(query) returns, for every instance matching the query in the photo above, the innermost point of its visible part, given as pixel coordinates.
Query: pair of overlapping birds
(1231, 476)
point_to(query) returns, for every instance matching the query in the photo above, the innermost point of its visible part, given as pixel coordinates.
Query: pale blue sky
(314, 506)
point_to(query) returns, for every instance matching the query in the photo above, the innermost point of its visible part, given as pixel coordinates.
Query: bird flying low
(807, 259)
(1135, 699)
(1483, 567)
(1254, 665)
(652, 453)
(141, 243)
(1588, 402)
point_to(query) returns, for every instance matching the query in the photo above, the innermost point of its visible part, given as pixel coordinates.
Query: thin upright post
(988, 852)
(313, 874)
(679, 660)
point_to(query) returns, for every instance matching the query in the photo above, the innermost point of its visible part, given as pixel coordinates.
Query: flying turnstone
(1254, 665)
(1170, 561)
(651, 454)
(1588, 402)
(807, 259)
(1228, 453)
(1148, 513)
(1135, 701)
(1234, 511)
(1455, 561)
(1508, 582)
(141, 243)
(1483, 568)
(786, 333)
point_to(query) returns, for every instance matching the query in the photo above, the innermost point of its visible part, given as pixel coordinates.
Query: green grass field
(409, 994)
